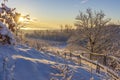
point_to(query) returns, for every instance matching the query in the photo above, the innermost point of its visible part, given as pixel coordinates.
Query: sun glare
(21, 19)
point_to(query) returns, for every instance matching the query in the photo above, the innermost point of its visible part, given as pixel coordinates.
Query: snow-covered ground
(24, 63)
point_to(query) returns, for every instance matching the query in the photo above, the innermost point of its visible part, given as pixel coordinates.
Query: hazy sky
(55, 12)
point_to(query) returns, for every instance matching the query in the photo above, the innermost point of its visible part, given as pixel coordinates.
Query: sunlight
(21, 19)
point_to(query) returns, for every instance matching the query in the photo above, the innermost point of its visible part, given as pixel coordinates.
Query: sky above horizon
(52, 13)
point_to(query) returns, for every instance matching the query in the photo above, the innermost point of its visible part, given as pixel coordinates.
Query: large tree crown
(91, 19)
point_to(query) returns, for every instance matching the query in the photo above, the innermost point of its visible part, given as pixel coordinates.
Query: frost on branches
(9, 20)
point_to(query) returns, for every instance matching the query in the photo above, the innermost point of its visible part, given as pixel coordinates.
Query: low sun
(21, 19)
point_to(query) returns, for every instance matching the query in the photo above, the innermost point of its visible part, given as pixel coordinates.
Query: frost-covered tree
(9, 23)
(91, 30)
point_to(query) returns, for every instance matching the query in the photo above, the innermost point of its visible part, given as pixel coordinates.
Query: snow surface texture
(25, 63)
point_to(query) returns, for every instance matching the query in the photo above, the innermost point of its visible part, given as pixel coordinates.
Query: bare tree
(68, 28)
(91, 29)
(61, 27)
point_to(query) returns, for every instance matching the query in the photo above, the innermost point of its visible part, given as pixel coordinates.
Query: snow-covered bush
(6, 35)
(6, 25)
(9, 24)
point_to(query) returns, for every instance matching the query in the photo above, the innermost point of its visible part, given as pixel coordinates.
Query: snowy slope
(25, 63)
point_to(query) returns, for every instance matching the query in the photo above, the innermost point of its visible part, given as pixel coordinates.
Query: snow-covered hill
(25, 63)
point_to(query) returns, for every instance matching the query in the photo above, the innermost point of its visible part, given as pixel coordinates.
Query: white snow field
(24, 63)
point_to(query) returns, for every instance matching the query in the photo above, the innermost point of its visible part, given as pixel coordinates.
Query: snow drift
(25, 63)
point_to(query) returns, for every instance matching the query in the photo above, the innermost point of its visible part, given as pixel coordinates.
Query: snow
(6, 32)
(24, 63)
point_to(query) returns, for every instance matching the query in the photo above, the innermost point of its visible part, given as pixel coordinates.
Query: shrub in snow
(65, 72)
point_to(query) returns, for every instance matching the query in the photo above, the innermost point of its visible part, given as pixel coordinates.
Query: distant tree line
(53, 35)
